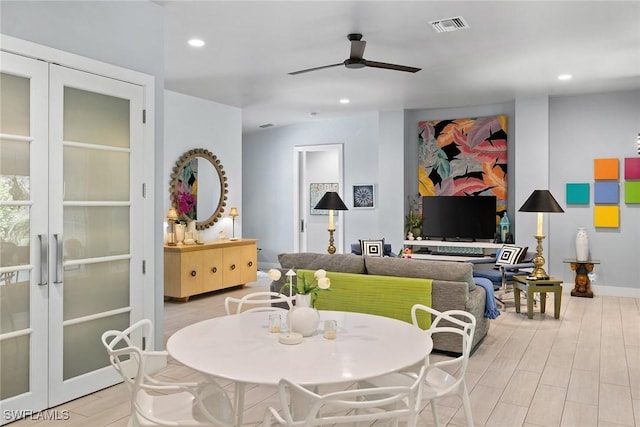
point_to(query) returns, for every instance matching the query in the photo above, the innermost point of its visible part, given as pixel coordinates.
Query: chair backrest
(260, 301)
(458, 322)
(126, 357)
(395, 403)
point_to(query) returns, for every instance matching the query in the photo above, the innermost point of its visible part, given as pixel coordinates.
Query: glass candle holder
(330, 329)
(275, 322)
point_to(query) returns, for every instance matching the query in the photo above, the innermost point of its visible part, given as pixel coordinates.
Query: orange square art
(606, 169)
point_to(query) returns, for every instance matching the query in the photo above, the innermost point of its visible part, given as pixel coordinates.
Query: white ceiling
(511, 47)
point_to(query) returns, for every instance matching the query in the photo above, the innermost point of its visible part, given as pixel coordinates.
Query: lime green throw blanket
(387, 296)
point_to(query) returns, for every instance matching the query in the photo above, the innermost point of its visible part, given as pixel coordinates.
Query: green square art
(578, 193)
(632, 191)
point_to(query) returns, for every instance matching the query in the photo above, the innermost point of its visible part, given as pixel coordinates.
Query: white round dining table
(240, 348)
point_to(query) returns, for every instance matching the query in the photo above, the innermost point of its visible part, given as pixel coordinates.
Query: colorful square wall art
(606, 216)
(605, 169)
(316, 191)
(632, 168)
(606, 192)
(632, 192)
(578, 193)
(464, 157)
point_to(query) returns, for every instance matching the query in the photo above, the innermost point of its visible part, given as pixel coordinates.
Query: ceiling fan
(356, 60)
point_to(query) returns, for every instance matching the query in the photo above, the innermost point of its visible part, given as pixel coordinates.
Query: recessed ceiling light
(196, 43)
(565, 77)
(344, 101)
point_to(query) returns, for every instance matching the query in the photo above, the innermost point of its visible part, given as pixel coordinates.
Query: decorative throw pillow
(372, 247)
(510, 255)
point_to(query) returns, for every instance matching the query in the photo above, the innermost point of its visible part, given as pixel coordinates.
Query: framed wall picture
(364, 196)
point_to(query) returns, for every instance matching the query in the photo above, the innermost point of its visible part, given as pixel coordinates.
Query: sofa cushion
(342, 263)
(356, 249)
(403, 267)
(510, 254)
(380, 295)
(372, 247)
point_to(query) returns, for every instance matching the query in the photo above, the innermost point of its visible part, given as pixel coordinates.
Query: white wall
(583, 128)
(197, 123)
(267, 169)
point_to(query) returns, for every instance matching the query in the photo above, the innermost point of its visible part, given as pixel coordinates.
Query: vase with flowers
(304, 318)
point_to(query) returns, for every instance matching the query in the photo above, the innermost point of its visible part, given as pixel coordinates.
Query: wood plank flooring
(581, 370)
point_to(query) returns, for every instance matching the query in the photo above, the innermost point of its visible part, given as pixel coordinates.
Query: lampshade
(541, 201)
(172, 213)
(331, 200)
(234, 212)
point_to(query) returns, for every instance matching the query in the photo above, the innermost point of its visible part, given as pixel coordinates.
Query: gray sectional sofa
(452, 287)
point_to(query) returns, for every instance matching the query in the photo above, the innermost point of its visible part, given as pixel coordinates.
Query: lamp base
(538, 272)
(331, 249)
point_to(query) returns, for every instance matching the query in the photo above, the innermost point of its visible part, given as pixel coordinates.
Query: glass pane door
(93, 201)
(23, 233)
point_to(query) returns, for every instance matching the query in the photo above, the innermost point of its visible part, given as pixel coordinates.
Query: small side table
(521, 283)
(582, 269)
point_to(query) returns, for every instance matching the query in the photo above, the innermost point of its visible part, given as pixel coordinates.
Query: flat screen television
(459, 217)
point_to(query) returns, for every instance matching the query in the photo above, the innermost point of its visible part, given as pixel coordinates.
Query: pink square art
(632, 168)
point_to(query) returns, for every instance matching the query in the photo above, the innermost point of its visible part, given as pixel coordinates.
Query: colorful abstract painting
(464, 157)
(187, 190)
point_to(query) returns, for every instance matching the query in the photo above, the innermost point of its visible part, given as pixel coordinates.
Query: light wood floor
(581, 370)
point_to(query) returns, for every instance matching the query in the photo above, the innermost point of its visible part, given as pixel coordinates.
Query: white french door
(71, 214)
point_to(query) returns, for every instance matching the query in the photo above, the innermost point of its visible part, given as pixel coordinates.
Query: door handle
(44, 260)
(58, 239)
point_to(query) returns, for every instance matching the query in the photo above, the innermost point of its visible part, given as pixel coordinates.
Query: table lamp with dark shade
(331, 201)
(540, 201)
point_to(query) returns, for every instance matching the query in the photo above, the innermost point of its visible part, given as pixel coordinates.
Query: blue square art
(578, 193)
(606, 192)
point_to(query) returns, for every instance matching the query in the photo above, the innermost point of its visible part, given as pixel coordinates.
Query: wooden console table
(195, 269)
(521, 283)
(582, 286)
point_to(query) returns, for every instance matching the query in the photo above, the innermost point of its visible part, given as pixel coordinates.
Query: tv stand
(485, 247)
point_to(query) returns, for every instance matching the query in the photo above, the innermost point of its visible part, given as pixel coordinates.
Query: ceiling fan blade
(316, 68)
(357, 49)
(387, 66)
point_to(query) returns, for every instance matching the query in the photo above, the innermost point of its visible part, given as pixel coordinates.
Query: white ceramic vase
(582, 245)
(303, 318)
(179, 228)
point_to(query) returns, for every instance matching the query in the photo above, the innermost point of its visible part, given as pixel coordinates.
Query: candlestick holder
(538, 272)
(331, 249)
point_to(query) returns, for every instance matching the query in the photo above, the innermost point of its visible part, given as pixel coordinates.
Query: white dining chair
(446, 377)
(303, 407)
(158, 403)
(259, 301)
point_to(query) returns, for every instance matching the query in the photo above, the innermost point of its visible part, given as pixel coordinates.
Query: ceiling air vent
(449, 24)
(266, 125)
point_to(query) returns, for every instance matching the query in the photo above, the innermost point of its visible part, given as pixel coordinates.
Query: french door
(71, 214)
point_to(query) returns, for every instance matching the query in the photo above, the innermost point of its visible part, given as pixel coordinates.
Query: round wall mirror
(199, 188)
